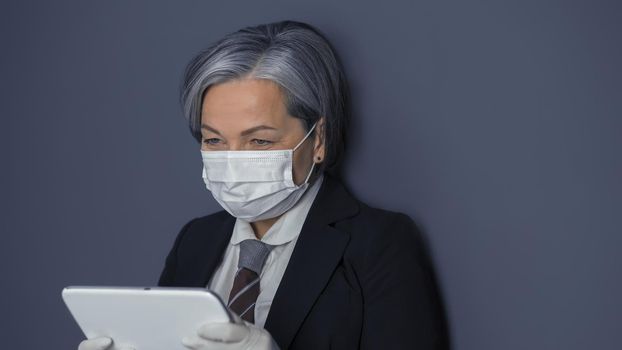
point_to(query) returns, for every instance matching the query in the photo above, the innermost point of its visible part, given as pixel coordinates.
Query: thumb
(223, 332)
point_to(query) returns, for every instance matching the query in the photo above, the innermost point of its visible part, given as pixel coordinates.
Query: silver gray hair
(294, 55)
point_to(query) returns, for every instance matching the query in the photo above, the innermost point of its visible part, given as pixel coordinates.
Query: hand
(240, 335)
(99, 343)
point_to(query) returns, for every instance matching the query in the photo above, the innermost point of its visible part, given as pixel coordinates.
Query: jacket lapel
(318, 251)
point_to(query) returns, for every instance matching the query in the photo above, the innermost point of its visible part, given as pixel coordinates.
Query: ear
(319, 149)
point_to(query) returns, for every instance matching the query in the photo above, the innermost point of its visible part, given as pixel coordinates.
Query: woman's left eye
(261, 142)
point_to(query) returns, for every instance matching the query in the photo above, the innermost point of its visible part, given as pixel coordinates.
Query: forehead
(244, 101)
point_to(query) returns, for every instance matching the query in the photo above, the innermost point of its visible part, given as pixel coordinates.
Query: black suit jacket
(358, 277)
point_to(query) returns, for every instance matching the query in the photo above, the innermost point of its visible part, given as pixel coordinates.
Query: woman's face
(250, 114)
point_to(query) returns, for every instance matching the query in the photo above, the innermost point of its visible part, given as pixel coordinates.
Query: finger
(99, 343)
(223, 332)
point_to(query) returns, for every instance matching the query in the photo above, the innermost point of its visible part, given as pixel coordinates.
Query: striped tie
(253, 254)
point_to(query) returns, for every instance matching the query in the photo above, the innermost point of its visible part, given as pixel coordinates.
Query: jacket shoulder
(374, 221)
(377, 233)
(193, 235)
(203, 227)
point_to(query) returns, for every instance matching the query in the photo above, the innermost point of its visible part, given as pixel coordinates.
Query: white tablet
(145, 318)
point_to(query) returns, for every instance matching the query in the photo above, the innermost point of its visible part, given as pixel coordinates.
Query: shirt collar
(287, 227)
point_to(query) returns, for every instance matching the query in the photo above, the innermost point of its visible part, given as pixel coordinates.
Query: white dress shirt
(283, 235)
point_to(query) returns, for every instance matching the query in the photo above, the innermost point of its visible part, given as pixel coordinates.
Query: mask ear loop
(304, 138)
(310, 172)
(300, 143)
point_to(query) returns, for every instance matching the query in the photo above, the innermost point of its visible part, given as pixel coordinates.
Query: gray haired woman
(300, 261)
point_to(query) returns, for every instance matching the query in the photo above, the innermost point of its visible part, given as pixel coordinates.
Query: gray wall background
(496, 125)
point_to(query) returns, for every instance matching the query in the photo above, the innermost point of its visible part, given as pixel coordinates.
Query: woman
(302, 262)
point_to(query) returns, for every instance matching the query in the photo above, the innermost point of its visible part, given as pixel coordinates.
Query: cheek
(302, 159)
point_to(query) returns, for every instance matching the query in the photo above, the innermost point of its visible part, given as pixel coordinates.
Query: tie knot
(253, 254)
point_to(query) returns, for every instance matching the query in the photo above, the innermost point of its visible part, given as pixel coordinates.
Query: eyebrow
(243, 133)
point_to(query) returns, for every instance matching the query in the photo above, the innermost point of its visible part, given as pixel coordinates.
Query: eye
(211, 141)
(261, 142)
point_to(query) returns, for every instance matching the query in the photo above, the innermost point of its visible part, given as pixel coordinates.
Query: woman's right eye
(211, 141)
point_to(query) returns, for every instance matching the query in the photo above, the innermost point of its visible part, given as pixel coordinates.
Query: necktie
(253, 254)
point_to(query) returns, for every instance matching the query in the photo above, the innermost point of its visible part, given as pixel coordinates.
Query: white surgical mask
(253, 185)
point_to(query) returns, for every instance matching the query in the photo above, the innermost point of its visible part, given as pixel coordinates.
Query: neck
(262, 226)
